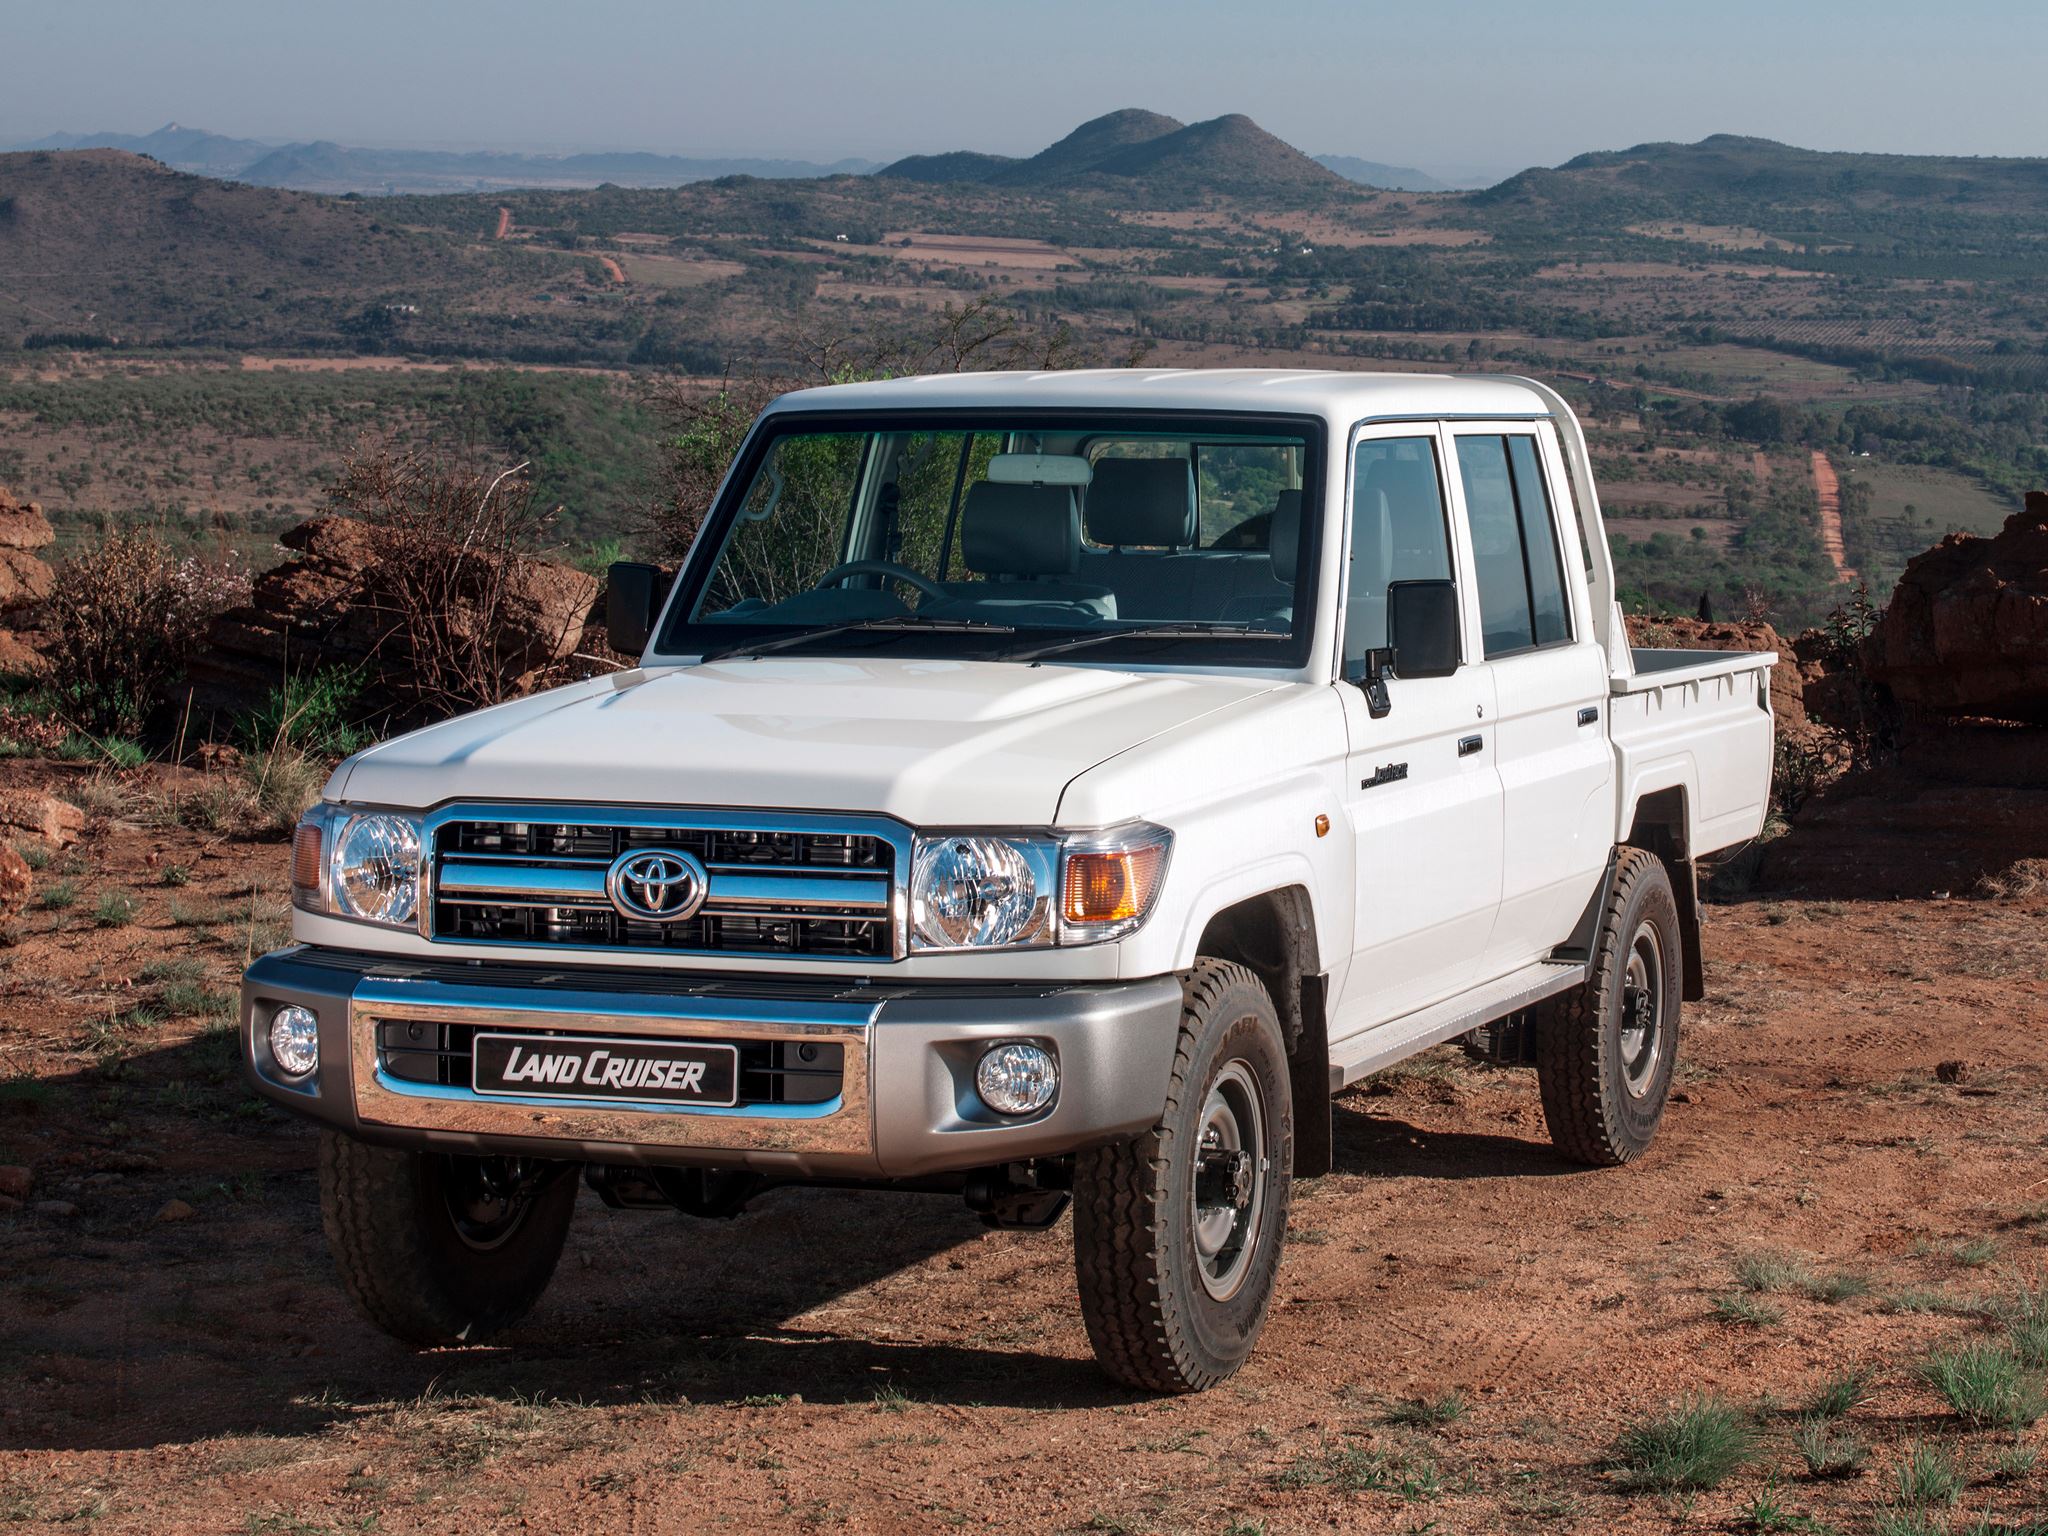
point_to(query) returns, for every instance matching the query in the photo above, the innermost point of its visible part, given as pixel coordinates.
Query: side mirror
(634, 594)
(1422, 627)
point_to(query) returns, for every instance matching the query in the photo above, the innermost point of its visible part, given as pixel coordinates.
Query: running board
(1381, 1046)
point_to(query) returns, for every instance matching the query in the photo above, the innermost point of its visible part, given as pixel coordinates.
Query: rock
(60, 1209)
(8, 1205)
(53, 820)
(22, 524)
(15, 881)
(24, 580)
(175, 1210)
(19, 655)
(334, 605)
(16, 1181)
(1951, 1071)
(1967, 630)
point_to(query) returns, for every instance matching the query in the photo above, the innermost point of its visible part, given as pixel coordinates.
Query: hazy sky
(1477, 83)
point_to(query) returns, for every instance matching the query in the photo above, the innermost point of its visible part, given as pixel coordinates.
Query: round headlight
(294, 1040)
(970, 891)
(377, 869)
(1017, 1079)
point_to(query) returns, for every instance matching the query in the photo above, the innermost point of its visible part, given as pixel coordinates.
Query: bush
(1696, 1445)
(317, 712)
(128, 614)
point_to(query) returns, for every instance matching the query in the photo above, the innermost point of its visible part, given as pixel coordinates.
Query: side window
(1398, 533)
(1516, 562)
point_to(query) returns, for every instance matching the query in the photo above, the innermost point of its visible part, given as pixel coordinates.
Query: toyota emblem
(656, 885)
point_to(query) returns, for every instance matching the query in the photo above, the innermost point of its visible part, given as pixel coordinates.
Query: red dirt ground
(1829, 489)
(867, 1363)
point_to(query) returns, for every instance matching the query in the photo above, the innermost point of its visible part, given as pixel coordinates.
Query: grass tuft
(1828, 1450)
(115, 909)
(1839, 1396)
(60, 895)
(1988, 1384)
(1746, 1311)
(1832, 1290)
(1929, 1477)
(1428, 1412)
(1759, 1273)
(1696, 1444)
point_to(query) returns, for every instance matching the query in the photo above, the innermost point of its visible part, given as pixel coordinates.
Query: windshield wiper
(901, 624)
(1165, 629)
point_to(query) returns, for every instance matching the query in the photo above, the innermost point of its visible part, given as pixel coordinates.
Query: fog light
(1017, 1079)
(294, 1040)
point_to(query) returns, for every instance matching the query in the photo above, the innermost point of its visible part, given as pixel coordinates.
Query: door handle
(1590, 715)
(1467, 745)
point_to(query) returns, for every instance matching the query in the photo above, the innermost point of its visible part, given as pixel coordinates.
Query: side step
(1384, 1044)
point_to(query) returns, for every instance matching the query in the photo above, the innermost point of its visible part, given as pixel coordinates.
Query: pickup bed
(1046, 789)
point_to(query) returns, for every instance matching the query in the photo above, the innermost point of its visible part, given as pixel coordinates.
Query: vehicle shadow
(1386, 1146)
(122, 1329)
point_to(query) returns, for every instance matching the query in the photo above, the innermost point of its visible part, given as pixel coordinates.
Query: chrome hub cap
(1642, 1011)
(1227, 1199)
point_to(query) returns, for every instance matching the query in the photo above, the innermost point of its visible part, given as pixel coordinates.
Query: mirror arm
(1377, 703)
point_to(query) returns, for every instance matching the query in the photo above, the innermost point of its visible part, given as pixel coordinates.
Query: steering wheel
(904, 573)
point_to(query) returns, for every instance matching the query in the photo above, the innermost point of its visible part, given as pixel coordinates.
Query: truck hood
(931, 742)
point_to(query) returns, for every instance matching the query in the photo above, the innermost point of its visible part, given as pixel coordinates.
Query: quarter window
(1517, 564)
(1397, 533)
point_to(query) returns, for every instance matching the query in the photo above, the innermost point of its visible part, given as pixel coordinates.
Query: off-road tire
(1151, 1318)
(405, 1263)
(1596, 1116)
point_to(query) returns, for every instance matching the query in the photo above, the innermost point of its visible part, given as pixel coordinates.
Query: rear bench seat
(1140, 518)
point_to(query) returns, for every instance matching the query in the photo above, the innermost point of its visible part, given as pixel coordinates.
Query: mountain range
(1227, 154)
(323, 166)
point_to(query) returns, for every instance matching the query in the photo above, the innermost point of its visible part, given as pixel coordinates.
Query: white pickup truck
(1034, 787)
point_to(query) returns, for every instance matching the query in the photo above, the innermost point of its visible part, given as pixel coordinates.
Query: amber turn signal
(1112, 887)
(306, 857)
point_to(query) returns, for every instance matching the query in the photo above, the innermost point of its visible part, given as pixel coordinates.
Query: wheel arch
(1661, 824)
(1273, 935)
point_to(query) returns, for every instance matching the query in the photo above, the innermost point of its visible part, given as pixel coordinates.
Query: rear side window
(1517, 564)
(1398, 533)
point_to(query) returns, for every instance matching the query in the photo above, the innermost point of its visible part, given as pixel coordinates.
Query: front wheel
(437, 1249)
(1177, 1234)
(1605, 1051)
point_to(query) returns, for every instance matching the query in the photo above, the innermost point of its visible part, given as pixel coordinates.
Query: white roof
(1340, 397)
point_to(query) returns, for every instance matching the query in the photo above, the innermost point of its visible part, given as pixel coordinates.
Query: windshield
(1170, 539)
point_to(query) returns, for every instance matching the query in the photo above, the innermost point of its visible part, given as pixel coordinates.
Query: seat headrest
(1146, 502)
(1020, 530)
(1283, 535)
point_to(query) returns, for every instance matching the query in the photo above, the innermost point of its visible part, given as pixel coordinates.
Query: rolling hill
(1148, 157)
(1373, 173)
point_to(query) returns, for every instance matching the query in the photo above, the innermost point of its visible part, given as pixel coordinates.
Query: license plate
(624, 1071)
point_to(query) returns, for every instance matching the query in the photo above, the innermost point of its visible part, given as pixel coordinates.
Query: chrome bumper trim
(843, 1125)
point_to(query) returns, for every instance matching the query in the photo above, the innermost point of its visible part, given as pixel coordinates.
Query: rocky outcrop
(334, 605)
(1966, 633)
(25, 580)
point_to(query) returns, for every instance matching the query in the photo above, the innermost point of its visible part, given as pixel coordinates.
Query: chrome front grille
(776, 885)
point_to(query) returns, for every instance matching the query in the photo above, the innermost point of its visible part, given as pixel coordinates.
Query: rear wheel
(437, 1249)
(1605, 1052)
(1177, 1235)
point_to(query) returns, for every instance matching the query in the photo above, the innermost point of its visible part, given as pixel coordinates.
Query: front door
(1422, 795)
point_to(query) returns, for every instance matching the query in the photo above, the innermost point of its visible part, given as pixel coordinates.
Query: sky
(1476, 86)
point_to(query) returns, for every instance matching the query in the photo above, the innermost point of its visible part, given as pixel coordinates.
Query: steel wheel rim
(1227, 1195)
(1642, 1010)
(488, 1198)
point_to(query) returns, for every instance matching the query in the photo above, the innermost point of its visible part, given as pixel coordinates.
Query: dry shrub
(260, 796)
(128, 614)
(456, 552)
(2017, 882)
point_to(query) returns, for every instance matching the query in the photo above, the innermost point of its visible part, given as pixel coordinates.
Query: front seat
(1026, 539)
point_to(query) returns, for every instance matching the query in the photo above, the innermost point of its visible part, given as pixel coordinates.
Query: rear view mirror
(1422, 627)
(634, 594)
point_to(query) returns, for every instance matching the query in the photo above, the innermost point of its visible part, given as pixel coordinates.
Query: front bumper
(905, 1104)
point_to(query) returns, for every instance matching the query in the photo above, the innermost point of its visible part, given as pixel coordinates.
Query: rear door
(1549, 680)
(1421, 795)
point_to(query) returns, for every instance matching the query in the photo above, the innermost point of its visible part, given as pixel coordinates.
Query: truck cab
(1049, 788)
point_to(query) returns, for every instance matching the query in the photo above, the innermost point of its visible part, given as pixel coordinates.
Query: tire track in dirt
(1829, 489)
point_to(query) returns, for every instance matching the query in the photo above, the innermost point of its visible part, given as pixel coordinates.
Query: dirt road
(1829, 489)
(504, 224)
(858, 1362)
